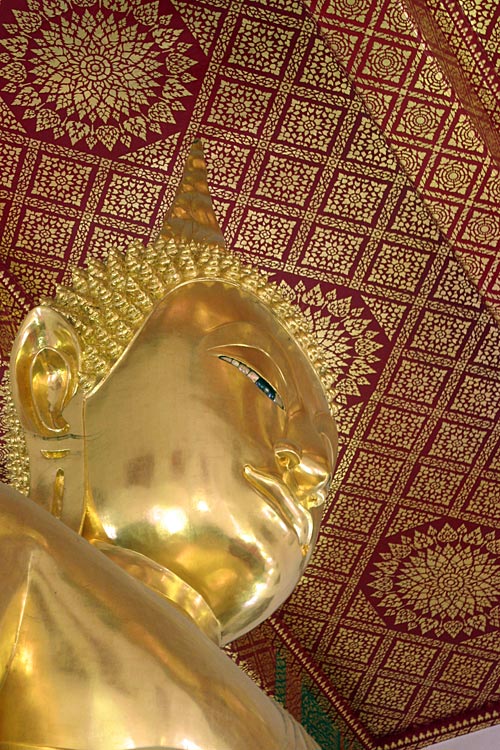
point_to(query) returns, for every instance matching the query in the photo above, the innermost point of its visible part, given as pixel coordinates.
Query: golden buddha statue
(176, 440)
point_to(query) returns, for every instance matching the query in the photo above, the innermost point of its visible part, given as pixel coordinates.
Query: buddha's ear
(44, 371)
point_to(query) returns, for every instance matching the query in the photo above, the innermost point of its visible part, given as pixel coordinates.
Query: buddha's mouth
(280, 498)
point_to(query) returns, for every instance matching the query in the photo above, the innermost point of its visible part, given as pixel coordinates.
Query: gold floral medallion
(100, 74)
(439, 581)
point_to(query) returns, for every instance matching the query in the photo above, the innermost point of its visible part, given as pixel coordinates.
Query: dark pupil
(266, 388)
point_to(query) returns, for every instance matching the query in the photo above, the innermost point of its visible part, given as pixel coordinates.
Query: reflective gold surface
(93, 660)
(45, 382)
(196, 460)
(197, 468)
(191, 216)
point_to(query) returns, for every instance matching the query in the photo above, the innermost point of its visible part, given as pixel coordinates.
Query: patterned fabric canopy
(429, 74)
(370, 191)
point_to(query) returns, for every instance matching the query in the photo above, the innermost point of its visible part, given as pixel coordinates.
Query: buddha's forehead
(207, 304)
(213, 317)
(220, 317)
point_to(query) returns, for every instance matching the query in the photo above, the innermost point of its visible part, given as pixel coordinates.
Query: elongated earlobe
(44, 371)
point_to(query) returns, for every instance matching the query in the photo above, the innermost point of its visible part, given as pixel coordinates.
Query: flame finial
(191, 216)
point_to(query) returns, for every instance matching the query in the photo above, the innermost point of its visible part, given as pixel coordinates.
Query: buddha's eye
(259, 381)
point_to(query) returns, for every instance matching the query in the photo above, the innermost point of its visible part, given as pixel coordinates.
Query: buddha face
(210, 449)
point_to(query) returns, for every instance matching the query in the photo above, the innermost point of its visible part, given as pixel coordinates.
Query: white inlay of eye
(261, 383)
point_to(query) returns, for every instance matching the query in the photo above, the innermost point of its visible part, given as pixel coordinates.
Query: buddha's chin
(241, 581)
(255, 594)
(244, 560)
(254, 612)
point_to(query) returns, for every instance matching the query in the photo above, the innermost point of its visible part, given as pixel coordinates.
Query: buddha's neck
(167, 584)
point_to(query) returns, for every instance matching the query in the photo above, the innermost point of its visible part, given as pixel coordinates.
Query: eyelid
(266, 365)
(256, 378)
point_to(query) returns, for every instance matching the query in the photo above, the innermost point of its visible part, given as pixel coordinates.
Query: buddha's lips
(282, 501)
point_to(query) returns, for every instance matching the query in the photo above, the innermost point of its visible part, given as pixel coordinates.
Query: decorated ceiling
(353, 153)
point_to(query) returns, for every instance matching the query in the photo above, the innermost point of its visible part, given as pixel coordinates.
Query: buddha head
(177, 414)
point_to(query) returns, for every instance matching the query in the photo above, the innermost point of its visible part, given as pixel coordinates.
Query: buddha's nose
(305, 459)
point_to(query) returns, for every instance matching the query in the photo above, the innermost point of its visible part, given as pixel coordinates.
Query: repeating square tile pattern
(441, 703)
(477, 396)
(395, 267)
(385, 690)
(373, 470)
(226, 162)
(309, 124)
(128, 197)
(435, 485)
(388, 60)
(452, 175)
(483, 228)
(320, 68)
(354, 197)
(354, 645)
(66, 180)
(441, 334)
(457, 442)
(466, 670)
(489, 346)
(354, 513)
(406, 657)
(286, 180)
(44, 234)
(269, 235)
(332, 249)
(261, 45)
(239, 106)
(418, 381)
(483, 499)
(396, 427)
(422, 121)
(411, 217)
